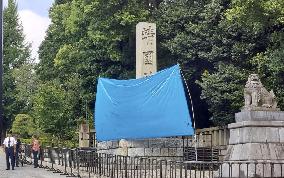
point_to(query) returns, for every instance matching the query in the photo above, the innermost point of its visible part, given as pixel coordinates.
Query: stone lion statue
(257, 97)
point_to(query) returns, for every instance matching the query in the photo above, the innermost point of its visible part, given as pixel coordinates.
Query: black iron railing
(87, 163)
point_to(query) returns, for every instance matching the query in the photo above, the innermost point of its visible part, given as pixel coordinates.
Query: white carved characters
(257, 97)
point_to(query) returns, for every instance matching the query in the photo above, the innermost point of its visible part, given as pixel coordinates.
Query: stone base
(256, 145)
(160, 147)
(256, 132)
(247, 115)
(259, 108)
(255, 151)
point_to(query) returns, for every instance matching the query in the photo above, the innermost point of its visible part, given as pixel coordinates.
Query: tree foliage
(198, 36)
(24, 126)
(209, 39)
(213, 41)
(55, 108)
(266, 16)
(85, 40)
(16, 54)
(256, 14)
(26, 83)
(188, 31)
(217, 43)
(225, 90)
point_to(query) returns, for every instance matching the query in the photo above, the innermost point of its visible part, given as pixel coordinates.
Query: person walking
(18, 151)
(10, 148)
(35, 150)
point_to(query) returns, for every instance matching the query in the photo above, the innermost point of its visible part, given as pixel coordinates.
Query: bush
(24, 126)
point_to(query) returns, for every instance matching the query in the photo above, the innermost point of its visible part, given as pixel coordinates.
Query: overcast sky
(34, 17)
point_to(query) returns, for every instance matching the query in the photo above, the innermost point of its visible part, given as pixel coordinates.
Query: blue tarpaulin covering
(148, 107)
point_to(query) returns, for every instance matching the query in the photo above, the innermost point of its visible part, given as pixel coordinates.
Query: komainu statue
(257, 97)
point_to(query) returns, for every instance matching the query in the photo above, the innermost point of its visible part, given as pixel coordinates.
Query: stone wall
(214, 136)
(162, 148)
(166, 148)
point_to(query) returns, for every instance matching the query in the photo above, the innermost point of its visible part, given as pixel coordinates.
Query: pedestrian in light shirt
(10, 149)
(35, 150)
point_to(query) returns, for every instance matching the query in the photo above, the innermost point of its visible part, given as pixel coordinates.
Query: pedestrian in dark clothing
(10, 148)
(18, 151)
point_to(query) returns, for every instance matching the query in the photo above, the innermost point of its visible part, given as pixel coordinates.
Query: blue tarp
(148, 107)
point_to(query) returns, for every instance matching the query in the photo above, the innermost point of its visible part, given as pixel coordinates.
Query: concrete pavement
(27, 171)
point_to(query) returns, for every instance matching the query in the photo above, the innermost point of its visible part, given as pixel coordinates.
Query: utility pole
(1, 71)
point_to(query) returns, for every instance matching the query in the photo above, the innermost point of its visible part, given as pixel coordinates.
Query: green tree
(269, 65)
(16, 54)
(198, 35)
(264, 16)
(258, 15)
(25, 85)
(52, 110)
(24, 126)
(85, 40)
(214, 44)
(55, 37)
(188, 34)
(223, 91)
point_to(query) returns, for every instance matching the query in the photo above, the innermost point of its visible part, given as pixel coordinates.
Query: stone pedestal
(256, 143)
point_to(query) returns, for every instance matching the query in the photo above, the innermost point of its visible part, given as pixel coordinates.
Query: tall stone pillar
(146, 52)
(146, 64)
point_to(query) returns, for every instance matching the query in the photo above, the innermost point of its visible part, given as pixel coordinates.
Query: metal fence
(88, 163)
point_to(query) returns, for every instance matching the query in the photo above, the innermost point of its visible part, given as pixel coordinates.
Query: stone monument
(146, 52)
(257, 136)
(146, 64)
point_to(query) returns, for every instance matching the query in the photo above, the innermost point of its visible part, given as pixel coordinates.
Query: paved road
(24, 172)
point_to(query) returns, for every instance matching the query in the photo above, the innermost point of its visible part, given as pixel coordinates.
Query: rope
(193, 117)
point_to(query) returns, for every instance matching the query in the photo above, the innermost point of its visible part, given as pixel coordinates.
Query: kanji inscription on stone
(146, 60)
